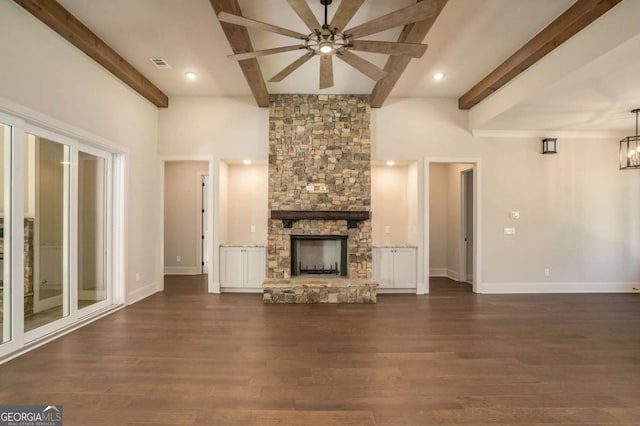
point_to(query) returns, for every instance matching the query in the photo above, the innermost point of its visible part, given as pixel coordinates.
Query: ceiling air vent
(160, 63)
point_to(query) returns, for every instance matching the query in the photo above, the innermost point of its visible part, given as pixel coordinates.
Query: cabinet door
(383, 267)
(404, 268)
(256, 266)
(231, 266)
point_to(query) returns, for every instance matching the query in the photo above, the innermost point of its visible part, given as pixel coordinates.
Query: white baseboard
(437, 272)
(141, 293)
(240, 290)
(182, 270)
(586, 287)
(396, 291)
(453, 274)
(444, 272)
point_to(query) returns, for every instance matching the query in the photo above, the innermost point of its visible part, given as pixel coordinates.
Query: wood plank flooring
(185, 357)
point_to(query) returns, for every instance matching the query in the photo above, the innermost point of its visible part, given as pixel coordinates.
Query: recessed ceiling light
(191, 75)
(246, 162)
(391, 163)
(438, 76)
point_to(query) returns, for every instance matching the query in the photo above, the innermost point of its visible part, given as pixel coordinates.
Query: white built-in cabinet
(395, 267)
(242, 267)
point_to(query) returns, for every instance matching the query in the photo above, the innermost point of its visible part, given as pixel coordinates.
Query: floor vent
(160, 63)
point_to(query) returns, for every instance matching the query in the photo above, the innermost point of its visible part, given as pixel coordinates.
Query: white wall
(44, 77)
(223, 203)
(183, 216)
(246, 205)
(389, 205)
(413, 205)
(578, 211)
(229, 128)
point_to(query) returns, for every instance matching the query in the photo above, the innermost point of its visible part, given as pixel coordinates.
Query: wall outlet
(253, 228)
(509, 231)
(137, 276)
(178, 258)
(546, 272)
(387, 229)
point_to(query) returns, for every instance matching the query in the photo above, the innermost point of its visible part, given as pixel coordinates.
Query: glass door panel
(47, 187)
(5, 198)
(92, 229)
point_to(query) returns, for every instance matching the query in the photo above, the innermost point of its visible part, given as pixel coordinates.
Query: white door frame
(203, 219)
(463, 225)
(213, 285)
(476, 163)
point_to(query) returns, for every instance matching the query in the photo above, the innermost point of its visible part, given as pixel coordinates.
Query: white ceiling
(469, 39)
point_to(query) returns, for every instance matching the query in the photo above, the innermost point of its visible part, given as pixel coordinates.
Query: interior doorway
(452, 225)
(186, 223)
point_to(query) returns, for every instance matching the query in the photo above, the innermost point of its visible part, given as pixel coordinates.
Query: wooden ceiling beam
(395, 66)
(68, 26)
(240, 42)
(574, 19)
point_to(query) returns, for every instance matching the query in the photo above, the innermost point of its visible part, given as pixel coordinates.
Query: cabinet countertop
(394, 246)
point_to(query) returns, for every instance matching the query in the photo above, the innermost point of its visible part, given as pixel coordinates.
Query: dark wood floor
(184, 357)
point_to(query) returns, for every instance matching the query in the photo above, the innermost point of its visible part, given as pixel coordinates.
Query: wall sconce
(630, 149)
(549, 146)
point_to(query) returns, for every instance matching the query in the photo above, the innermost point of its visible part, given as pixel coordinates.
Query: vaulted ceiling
(587, 84)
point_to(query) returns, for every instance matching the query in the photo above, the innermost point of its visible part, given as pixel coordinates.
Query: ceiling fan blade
(230, 18)
(301, 7)
(291, 68)
(365, 67)
(345, 12)
(257, 53)
(415, 50)
(326, 71)
(414, 13)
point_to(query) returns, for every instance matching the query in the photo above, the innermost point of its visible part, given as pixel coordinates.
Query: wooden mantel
(290, 216)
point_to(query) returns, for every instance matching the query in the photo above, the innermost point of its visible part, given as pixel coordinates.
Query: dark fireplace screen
(314, 255)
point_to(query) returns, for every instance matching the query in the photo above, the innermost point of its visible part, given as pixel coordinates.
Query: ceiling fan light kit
(331, 39)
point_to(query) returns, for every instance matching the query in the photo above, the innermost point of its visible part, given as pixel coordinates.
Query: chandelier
(630, 148)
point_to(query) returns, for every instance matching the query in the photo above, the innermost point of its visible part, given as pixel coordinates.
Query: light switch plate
(509, 231)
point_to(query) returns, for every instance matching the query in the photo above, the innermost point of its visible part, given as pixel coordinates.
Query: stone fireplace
(319, 184)
(319, 255)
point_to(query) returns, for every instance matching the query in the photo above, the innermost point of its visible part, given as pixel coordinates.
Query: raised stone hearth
(319, 290)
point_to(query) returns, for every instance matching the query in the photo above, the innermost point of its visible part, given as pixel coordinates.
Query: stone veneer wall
(319, 139)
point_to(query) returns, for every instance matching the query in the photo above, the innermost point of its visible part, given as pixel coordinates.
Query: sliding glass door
(67, 211)
(46, 231)
(93, 199)
(56, 232)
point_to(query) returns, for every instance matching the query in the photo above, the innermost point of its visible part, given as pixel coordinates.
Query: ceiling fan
(332, 39)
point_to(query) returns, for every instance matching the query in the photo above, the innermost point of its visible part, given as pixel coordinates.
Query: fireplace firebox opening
(314, 255)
